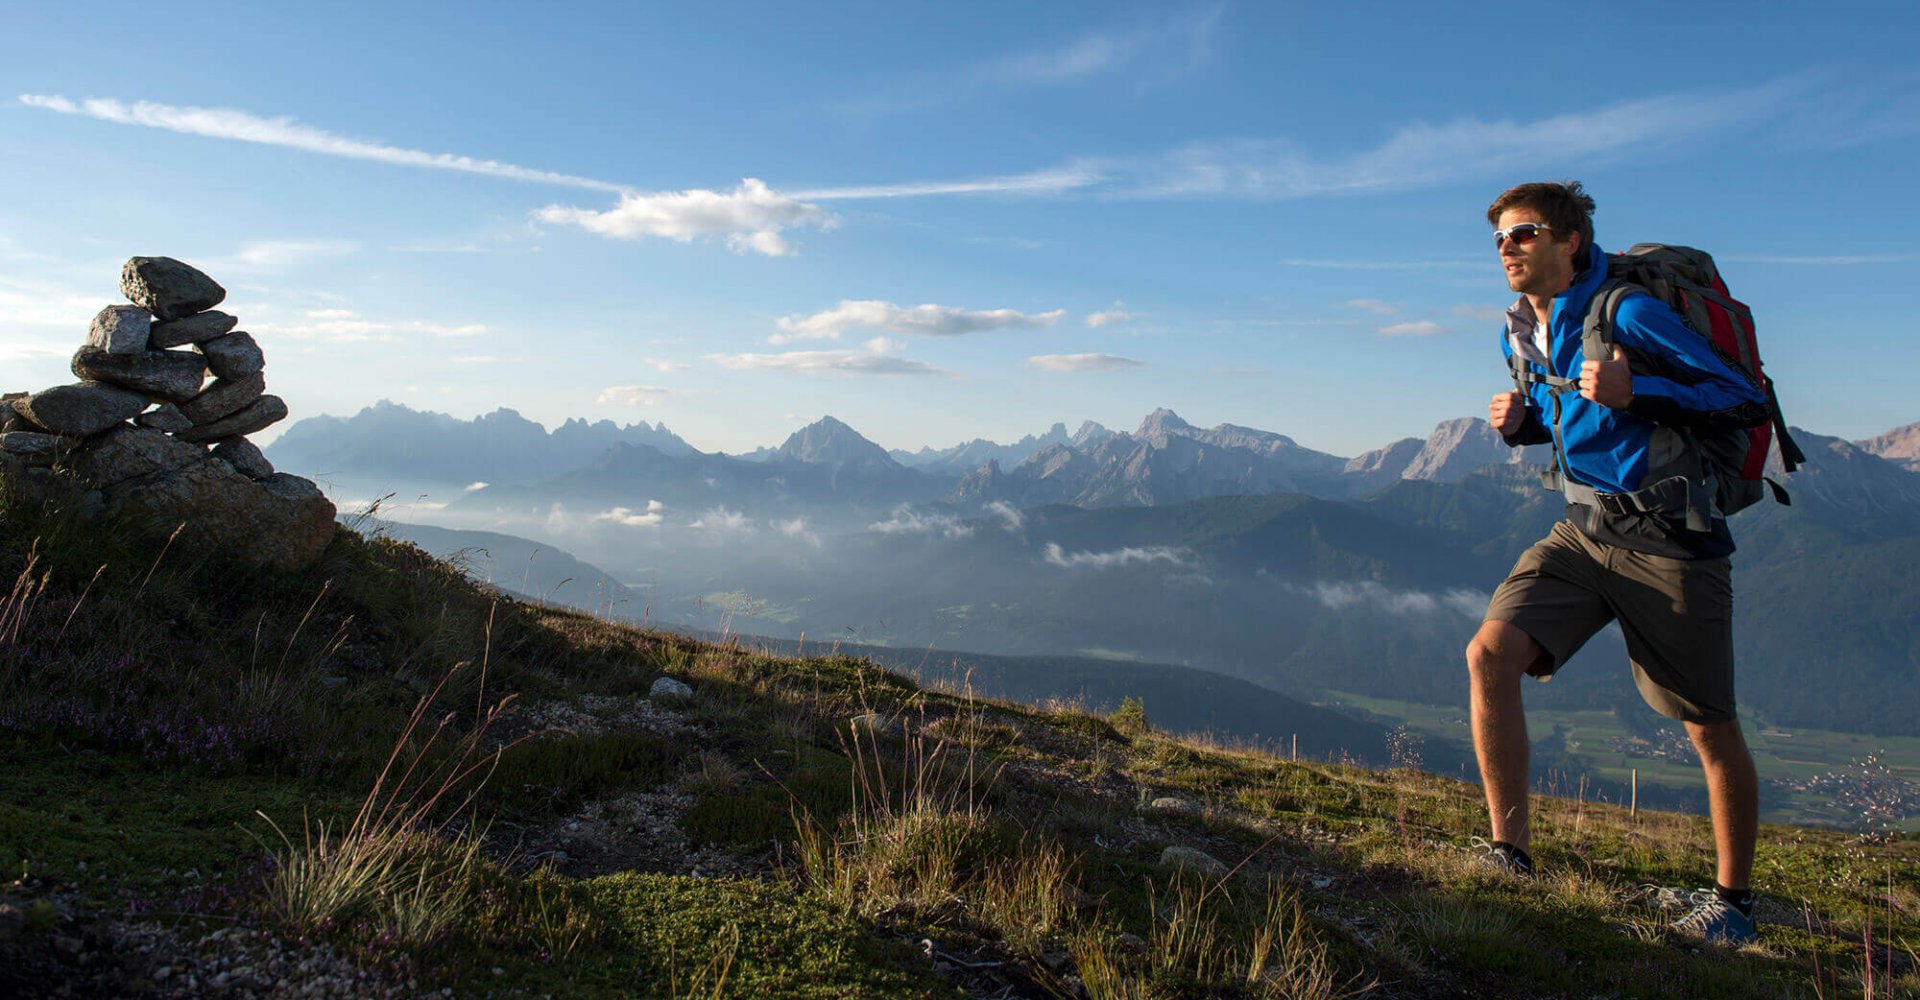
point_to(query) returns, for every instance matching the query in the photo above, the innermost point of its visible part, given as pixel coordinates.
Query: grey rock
(29, 444)
(284, 522)
(263, 412)
(125, 453)
(233, 356)
(1197, 861)
(224, 397)
(83, 409)
(121, 329)
(174, 376)
(1172, 804)
(245, 457)
(167, 288)
(667, 687)
(166, 417)
(194, 329)
(13, 414)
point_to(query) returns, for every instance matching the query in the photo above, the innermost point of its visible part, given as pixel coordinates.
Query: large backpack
(1697, 471)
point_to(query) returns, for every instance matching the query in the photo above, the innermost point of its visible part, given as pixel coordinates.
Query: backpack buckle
(1617, 504)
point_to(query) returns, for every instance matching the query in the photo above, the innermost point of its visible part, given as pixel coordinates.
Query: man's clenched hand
(1608, 383)
(1506, 413)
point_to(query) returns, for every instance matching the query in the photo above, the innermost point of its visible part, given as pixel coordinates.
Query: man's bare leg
(1733, 797)
(1498, 656)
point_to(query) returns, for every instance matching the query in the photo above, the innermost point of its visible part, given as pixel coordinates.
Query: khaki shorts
(1676, 614)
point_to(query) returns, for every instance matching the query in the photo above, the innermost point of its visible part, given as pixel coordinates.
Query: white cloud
(797, 530)
(33, 302)
(1081, 362)
(906, 521)
(751, 217)
(476, 487)
(721, 521)
(1011, 520)
(922, 320)
(1128, 556)
(667, 367)
(1375, 306)
(1368, 593)
(825, 363)
(630, 518)
(631, 395)
(1109, 317)
(1816, 261)
(330, 314)
(241, 126)
(1416, 328)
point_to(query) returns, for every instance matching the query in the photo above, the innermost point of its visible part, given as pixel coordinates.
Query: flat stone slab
(174, 376)
(224, 397)
(84, 409)
(193, 329)
(261, 413)
(166, 418)
(120, 330)
(168, 288)
(233, 356)
(28, 444)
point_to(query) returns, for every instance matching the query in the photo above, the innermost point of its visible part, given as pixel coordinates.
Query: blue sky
(937, 221)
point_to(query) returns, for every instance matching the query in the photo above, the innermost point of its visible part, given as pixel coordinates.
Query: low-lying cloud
(1369, 594)
(651, 517)
(906, 521)
(1130, 556)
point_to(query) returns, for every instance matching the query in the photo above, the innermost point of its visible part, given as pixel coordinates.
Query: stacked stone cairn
(145, 434)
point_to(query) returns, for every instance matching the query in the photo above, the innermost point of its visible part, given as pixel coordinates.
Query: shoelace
(1708, 908)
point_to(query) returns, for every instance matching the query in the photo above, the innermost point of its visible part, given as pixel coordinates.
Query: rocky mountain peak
(828, 441)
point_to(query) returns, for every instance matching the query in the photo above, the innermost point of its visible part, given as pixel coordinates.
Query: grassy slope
(148, 708)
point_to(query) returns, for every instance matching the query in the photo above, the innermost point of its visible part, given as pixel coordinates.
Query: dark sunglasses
(1522, 234)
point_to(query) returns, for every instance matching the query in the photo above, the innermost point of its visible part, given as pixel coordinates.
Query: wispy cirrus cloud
(242, 126)
(904, 520)
(1056, 180)
(1416, 328)
(346, 326)
(879, 358)
(632, 395)
(1081, 362)
(1375, 306)
(922, 320)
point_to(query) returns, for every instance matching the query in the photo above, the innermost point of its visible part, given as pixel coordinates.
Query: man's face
(1540, 266)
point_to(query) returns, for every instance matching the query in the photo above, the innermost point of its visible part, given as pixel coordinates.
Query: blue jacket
(1678, 380)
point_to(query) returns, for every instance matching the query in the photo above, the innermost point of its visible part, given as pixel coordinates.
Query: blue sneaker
(1714, 921)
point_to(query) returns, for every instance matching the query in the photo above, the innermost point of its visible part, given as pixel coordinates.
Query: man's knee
(1501, 652)
(1718, 742)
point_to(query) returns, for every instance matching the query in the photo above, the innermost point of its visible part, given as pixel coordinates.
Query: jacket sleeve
(1678, 378)
(1533, 430)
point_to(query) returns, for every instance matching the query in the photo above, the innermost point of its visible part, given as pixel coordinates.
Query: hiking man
(1667, 581)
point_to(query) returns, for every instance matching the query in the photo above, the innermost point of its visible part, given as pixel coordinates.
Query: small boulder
(245, 457)
(283, 522)
(120, 329)
(261, 413)
(166, 417)
(667, 687)
(1191, 859)
(1173, 804)
(174, 376)
(167, 288)
(194, 329)
(83, 409)
(233, 356)
(224, 397)
(13, 414)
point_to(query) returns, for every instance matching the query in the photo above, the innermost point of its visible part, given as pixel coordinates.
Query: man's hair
(1566, 207)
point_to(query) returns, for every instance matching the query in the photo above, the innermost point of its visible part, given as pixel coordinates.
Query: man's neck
(1542, 308)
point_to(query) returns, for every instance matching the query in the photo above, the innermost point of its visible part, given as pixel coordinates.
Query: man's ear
(1576, 249)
